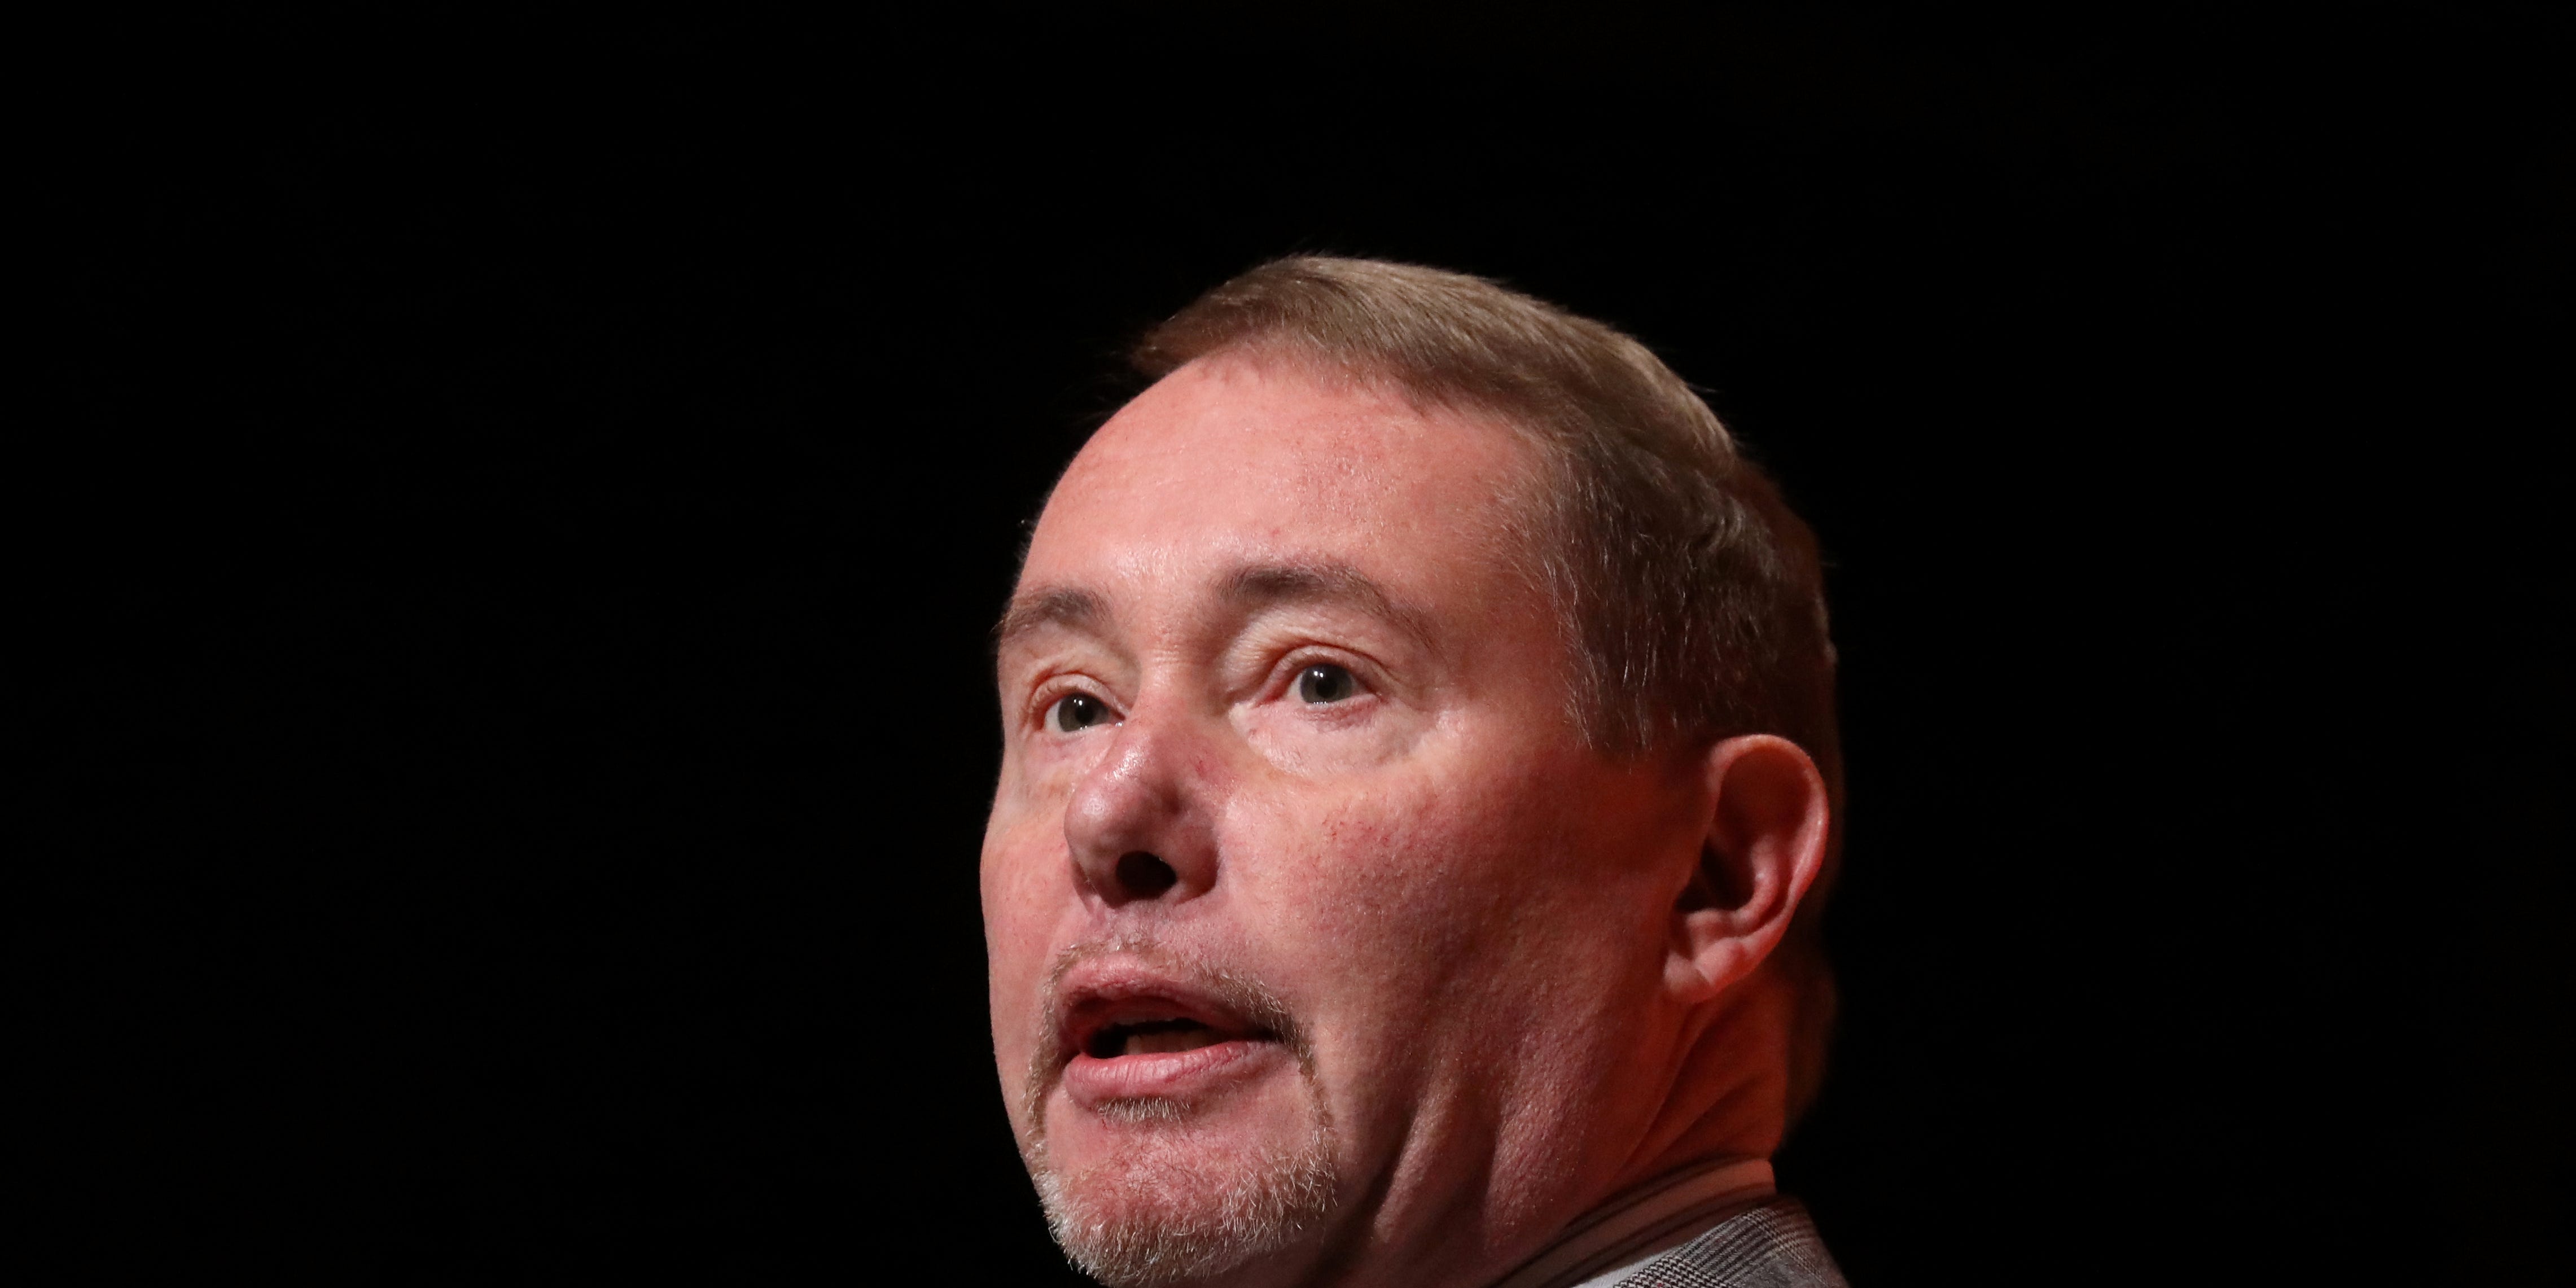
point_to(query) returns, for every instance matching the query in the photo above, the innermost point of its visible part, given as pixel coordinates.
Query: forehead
(1235, 461)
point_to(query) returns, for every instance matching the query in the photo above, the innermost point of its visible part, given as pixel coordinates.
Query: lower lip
(1196, 1072)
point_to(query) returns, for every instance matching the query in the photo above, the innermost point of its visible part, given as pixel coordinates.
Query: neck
(1726, 1099)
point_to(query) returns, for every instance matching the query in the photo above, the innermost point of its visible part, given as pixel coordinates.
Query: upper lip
(1105, 995)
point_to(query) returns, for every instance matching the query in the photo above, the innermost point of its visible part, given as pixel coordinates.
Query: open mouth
(1130, 1031)
(1150, 1037)
(1153, 1026)
(1127, 1019)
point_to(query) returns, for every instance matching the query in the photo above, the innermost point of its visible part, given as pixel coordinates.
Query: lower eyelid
(1360, 697)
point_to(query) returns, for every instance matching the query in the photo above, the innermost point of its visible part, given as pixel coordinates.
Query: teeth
(1163, 1040)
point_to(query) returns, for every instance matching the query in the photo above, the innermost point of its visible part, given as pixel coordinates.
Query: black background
(508, 546)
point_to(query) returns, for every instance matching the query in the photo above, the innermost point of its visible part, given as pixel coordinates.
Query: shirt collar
(1644, 1220)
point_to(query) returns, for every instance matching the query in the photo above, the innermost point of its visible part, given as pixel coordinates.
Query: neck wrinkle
(1728, 1096)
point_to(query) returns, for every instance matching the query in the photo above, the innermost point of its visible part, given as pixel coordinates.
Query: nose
(1141, 823)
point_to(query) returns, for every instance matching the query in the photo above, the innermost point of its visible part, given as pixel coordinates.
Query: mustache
(1234, 989)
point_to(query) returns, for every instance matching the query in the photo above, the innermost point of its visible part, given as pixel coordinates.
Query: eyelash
(1295, 665)
(1281, 685)
(1042, 702)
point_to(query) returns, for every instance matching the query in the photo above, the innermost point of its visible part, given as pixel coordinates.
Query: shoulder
(1773, 1245)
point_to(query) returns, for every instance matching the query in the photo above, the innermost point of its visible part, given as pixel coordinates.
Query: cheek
(1015, 836)
(1023, 879)
(1395, 891)
(1026, 873)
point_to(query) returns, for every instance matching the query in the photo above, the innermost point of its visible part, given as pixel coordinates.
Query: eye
(1077, 711)
(1325, 683)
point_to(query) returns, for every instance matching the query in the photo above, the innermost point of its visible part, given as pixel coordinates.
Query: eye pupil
(1078, 711)
(1325, 684)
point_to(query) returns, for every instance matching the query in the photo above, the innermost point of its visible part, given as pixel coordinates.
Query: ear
(1768, 815)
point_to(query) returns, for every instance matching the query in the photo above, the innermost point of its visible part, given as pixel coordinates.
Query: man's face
(1317, 937)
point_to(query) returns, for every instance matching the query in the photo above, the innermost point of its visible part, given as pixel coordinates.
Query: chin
(1167, 1201)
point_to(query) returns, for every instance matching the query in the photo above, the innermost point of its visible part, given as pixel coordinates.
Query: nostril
(1143, 876)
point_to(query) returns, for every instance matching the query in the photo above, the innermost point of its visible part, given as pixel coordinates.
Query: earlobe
(1767, 816)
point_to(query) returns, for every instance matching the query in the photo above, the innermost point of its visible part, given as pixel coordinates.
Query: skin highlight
(1520, 976)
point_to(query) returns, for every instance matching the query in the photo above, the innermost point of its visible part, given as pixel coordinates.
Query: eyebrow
(1257, 586)
(1063, 607)
(1248, 588)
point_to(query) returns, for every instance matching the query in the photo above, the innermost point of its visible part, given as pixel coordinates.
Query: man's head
(1414, 711)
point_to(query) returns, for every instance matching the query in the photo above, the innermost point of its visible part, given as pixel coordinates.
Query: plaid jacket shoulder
(1771, 1246)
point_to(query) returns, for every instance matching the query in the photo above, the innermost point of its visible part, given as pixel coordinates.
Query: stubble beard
(1166, 1211)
